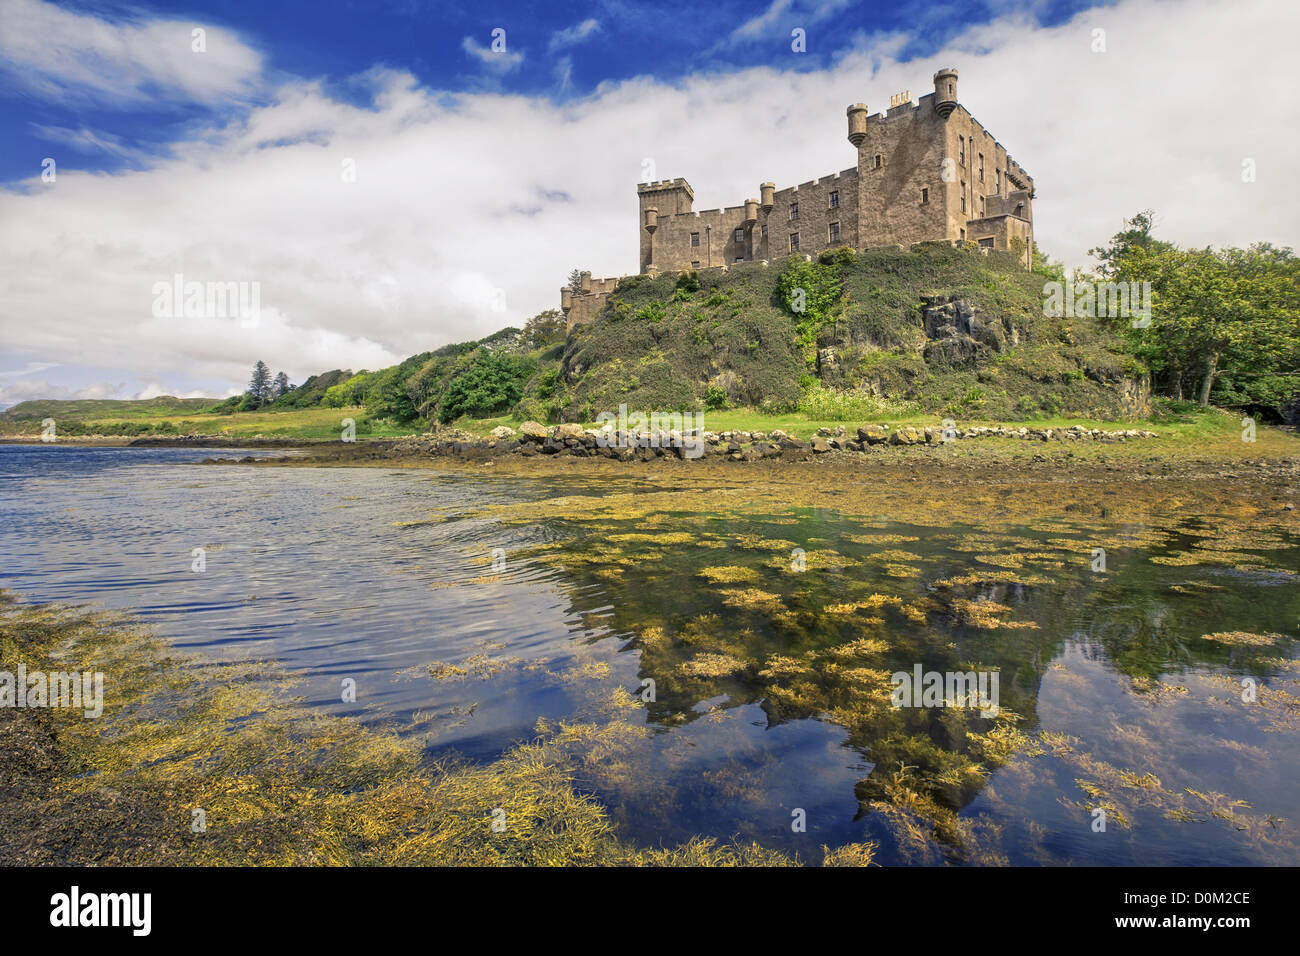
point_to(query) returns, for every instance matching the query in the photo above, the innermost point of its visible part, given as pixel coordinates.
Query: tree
(1135, 240)
(1231, 314)
(490, 384)
(259, 386)
(281, 386)
(575, 280)
(545, 328)
(1237, 310)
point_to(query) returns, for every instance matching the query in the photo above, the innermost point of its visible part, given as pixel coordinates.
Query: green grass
(1195, 428)
(104, 409)
(309, 423)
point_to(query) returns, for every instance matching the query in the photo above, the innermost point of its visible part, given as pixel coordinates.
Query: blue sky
(481, 178)
(566, 51)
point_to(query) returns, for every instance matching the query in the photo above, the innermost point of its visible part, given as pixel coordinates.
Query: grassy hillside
(120, 409)
(860, 345)
(884, 334)
(312, 423)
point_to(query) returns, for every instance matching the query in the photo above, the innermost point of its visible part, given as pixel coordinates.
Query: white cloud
(564, 75)
(468, 202)
(11, 393)
(760, 24)
(58, 54)
(788, 13)
(31, 368)
(502, 60)
(89, 140)
(572, 36)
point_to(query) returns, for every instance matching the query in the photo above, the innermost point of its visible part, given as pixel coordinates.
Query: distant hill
(81, 408)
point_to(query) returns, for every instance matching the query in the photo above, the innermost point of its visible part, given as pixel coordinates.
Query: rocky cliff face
(957, 335)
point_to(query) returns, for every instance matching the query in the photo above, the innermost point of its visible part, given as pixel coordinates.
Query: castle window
(695, 264)
(981, 167)
(765, 233)
(997, 179)
(695, 239)
(963, 152)
(794, 242)
(963, 197)
(878, 160)
(963, 235)
(835, 199)
(925, 196)
(794, 210)
(740, 235)
(981, 207)
(986, 243)
(835, 232)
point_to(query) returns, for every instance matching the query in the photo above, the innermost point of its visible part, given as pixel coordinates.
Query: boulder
(873, 434)
(502, 432)
(533, 431)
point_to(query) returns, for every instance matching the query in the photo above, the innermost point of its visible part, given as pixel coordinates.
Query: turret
(651, 220)
(768, 193)
(857, 123)
(751, 210)
(945, 91)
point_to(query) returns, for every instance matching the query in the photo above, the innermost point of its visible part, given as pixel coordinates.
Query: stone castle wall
(926, 171)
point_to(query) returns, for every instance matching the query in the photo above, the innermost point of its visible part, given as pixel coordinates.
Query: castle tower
(671, 197)
(945, 91)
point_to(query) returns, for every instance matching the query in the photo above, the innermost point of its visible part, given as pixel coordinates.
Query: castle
(926, 171)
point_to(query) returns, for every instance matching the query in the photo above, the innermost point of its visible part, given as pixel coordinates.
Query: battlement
(822, 180)
(661, 185)
(582, 304)
(907, 109)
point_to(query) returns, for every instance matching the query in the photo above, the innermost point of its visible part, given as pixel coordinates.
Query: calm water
(374, 574)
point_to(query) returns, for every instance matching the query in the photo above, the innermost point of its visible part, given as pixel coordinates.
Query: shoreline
(1000, 461)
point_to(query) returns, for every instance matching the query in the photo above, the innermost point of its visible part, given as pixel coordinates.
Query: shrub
(491, 383)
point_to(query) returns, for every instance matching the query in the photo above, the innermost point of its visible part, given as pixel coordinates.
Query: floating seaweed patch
(1244, 638)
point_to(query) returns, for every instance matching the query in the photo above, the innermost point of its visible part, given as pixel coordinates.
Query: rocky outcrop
(959, 336)
(533, 430)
